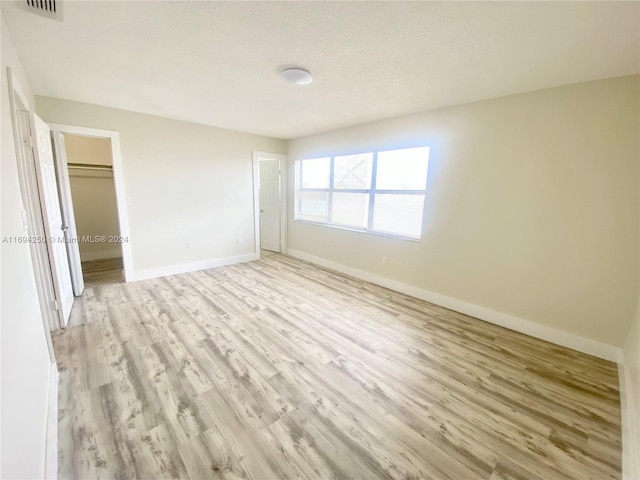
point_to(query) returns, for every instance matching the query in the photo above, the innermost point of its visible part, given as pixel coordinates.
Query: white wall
(186, 183)
(531, 209)
(25, 363)
(94, 196)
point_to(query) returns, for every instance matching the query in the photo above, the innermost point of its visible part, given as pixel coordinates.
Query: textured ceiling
(217, 63)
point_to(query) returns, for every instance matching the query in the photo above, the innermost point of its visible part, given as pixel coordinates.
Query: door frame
(118, 178)
(32, 216)
(282, 159)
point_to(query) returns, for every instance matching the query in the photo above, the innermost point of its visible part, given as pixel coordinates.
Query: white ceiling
(216, 63)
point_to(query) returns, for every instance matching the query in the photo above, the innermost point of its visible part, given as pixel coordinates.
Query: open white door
(269, 204)
(50, 205)
(68, 215)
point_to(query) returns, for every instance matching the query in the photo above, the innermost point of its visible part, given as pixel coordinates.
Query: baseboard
(51, 448)
(630, 434)
(190, 267)
(101, 254)
(543, 332)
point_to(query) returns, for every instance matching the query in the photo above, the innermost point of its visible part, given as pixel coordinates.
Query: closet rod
(90, 166)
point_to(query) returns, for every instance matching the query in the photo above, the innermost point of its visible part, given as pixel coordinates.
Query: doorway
(95, 202)
(93, 192)
(271, 207)
(32, 214)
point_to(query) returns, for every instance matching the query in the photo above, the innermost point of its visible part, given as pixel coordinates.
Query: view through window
(378, 192)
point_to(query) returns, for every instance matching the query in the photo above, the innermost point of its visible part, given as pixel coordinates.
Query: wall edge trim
(533, 329)
(630, 451)
(51, 441)
(165, 271)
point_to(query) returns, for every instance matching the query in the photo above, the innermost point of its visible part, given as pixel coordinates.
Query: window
(379, 192)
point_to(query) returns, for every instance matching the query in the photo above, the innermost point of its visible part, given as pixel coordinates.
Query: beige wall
(92, 150)
(631, 372)
(185, 183)
(631, 426)
(25, 364)
(94, 196)
(531, 210)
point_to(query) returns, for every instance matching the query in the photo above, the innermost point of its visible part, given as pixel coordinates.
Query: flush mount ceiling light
(296, 76)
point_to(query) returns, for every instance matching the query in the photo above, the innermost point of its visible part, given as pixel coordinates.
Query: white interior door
(68, 215)
(50, 205)
(270, 204)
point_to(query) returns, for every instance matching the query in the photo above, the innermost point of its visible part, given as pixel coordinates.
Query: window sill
(366, 232)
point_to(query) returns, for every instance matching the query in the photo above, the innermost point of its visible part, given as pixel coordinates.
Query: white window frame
(372, 191)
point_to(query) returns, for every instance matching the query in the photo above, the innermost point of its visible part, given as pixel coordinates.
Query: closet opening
(94, 204)
(95, 208)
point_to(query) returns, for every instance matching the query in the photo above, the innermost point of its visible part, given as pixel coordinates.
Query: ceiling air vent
(46, 8)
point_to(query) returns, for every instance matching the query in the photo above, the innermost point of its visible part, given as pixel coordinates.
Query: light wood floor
(100, 272)
(278, 369)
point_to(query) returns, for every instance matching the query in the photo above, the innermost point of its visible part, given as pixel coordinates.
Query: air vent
(46, 8)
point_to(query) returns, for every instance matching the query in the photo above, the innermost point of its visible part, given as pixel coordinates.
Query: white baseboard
(543, 332)
(190, 267)
(101, 254)
(630, 429)
(51, 448)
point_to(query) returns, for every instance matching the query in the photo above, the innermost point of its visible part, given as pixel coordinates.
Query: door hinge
(28, 141)
(56, 305)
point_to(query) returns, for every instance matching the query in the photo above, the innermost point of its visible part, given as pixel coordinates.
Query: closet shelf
(90, 166)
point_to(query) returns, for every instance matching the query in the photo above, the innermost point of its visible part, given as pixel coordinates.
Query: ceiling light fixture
(296, 76)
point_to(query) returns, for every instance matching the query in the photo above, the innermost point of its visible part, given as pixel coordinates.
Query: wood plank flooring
(100, 272)
(278, 369)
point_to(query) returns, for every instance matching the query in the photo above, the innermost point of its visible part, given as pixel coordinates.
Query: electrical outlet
(239, 240)
(385, 260)
(187, 246)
